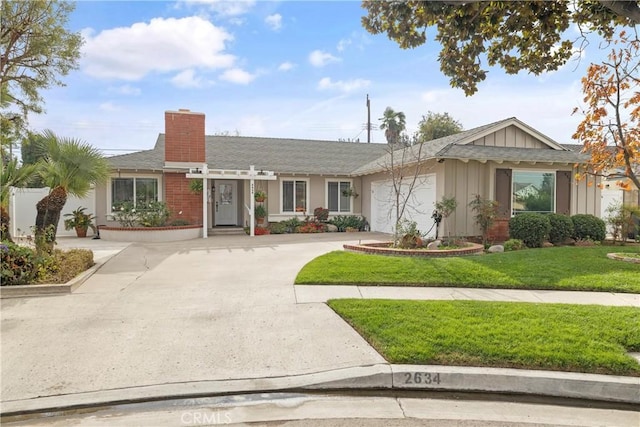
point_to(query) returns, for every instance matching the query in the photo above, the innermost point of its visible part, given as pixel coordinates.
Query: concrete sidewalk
(218, 314)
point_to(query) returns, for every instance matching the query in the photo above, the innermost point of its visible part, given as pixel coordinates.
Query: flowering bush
(152, 214)
(125, 213)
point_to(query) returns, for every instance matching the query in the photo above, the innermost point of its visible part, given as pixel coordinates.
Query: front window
(294, 196)
(533, 192)
(139, 191)
(339, 196)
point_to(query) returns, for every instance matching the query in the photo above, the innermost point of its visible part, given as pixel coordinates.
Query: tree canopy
(437, 125)
(610, 129)
(515, 35)
(35, 50)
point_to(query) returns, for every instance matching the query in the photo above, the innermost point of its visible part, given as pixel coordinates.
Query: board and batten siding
(463, 181)
(511, 136)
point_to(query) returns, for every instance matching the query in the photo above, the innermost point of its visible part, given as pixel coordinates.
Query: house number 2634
(421, 378)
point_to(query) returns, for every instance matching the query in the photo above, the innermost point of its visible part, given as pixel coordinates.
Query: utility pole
(368, 120)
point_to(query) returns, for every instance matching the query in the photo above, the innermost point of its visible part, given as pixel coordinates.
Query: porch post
(252, 201)
(205, 193)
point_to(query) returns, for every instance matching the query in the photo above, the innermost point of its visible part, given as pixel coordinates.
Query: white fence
(22, 209)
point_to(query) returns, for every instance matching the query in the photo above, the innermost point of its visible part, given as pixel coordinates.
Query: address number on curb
(421, 378)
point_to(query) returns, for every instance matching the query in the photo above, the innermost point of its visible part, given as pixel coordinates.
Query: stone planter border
(384, 249)
(621, 257)
(151, 234)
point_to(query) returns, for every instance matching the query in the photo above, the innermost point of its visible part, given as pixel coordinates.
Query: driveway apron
(208, 309)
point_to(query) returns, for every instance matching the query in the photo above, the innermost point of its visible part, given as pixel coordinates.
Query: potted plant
(80, 221)
(350, 192)
(260, 213)
(260, 196)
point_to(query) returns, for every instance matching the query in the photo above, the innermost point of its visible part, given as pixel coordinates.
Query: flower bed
(151, 234)
(385, 249)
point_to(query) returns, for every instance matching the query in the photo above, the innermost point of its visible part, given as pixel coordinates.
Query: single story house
(493, 161)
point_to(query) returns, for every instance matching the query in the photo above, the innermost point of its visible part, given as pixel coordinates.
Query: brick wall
(184, 136)
(499, 232)
(179, 198)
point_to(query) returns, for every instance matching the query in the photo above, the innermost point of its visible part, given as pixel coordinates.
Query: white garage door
(419, 207)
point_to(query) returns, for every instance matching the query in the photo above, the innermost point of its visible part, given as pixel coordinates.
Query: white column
(252, 202)
(205, 192)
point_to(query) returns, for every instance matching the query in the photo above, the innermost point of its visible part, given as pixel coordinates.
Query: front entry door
(226, 202)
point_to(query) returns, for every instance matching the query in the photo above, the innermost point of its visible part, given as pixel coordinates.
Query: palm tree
(70, 166)
(12, 175)
(393, 124)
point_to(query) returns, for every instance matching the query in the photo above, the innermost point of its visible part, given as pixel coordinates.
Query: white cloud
(223, 8)
(162, 45)
(318, 58)
(186, 79)
(126, 90)
(286, 66)
(109, 107)
(356, 39)
(274, 21)
(342, 85)
(238, 76)
(342, 44)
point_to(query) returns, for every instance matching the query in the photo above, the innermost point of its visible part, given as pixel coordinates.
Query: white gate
(22, 209)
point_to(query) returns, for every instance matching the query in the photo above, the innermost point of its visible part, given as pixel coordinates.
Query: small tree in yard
(446, 207)
(486, 212)
(622, 221)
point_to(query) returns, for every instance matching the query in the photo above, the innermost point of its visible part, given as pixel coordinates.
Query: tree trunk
(5, 231)
(47, 218)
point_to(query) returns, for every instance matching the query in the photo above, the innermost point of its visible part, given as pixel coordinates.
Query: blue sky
(297, 69)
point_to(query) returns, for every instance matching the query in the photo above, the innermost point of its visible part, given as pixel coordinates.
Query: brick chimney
(183, 144)
(184, 136)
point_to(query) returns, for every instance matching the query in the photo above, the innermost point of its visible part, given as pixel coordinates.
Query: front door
(226, 202)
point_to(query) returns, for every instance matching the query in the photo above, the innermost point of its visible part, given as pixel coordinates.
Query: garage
(419, 207)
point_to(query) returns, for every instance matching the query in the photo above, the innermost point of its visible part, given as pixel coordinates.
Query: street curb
(606, 388)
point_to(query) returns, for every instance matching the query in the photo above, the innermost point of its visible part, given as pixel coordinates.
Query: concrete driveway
(208, 309)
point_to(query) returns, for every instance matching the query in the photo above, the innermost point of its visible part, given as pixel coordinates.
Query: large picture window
(138, 191)
(533, 191)
(336, 199)
(294, 195)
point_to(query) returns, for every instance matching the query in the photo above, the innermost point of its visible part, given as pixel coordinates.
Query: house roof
(314, 157)
(284, 156)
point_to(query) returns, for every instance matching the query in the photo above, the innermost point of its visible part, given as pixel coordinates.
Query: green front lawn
(560, 268)
(559, 337)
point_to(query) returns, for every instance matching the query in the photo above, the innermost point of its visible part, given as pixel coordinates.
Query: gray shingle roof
(510, 154)
(277, 154)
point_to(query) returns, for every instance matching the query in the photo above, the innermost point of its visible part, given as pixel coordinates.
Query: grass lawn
(560, 268)
(559, 337)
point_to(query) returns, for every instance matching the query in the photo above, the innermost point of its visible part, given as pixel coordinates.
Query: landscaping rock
(495, 249)
(331, 228)
(547, 245)
(434, 245)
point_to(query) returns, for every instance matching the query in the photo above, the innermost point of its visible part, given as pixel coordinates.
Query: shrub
(277, 228)
(291, 224)
(531, 228)
(513, 245)
(310, 227)
(622, 220)
(63, 266)
(180, 222)
(561, 228)
(125, 213)
(17, 264)
(351, 221)
(261, 231)
(321, 214)
(486, 212)
(154, 214)
(586, 226)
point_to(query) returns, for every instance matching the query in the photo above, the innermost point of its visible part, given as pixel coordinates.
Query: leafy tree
(515, 35)
(70, 166)
(610, 130)
(12, 175)
(437, 125)
(393, 124)
(35, 50)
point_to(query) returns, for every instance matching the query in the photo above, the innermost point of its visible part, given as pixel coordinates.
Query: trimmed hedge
(586, 226)
(561, 228)
(532, 228)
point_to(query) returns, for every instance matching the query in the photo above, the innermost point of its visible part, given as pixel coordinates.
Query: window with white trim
(338, 196)
(294, 195)
(533, 191)
(136, 190)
